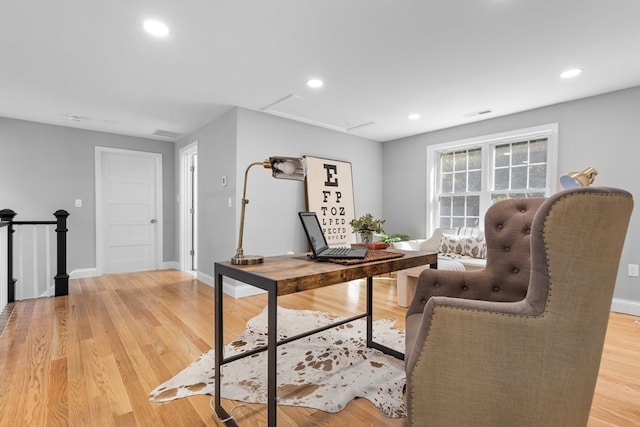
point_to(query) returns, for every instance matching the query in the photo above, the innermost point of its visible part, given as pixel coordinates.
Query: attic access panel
(303, 110)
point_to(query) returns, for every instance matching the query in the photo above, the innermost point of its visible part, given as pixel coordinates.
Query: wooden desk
(282, 275)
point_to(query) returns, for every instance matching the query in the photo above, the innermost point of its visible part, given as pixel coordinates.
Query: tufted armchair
(485, 350)
(507, 225)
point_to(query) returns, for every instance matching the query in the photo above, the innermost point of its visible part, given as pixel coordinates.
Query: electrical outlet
(634, 270)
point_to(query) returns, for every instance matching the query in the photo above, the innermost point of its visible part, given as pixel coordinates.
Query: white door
(189, 208)
(128, 214)
(192, 221)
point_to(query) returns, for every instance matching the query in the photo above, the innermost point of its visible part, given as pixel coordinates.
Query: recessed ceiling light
(156, 28)
(571, 73)
(414, 116)
(315, 83)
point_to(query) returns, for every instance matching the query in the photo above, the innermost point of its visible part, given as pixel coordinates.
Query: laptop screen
(314, 232)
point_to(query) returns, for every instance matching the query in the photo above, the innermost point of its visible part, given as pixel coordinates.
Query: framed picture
(329, 193)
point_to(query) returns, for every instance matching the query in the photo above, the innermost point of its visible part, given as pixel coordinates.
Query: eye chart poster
(329, 192)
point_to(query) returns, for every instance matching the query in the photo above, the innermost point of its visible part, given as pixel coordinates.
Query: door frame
(184, 238)
(100, 238)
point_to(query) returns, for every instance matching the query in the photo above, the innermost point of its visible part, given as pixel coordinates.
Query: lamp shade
(578, 179)
(287, 168)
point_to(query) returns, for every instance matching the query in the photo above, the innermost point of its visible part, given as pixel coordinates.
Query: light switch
(78, 203)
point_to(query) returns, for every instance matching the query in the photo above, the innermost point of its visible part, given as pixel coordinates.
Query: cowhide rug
(324, 371)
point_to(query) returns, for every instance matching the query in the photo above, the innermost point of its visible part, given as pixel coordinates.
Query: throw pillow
(474, 247)
(450, 244)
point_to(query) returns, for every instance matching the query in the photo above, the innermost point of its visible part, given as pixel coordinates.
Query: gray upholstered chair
(481, 353)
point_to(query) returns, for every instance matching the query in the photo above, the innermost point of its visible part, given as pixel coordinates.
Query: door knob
(153, 221)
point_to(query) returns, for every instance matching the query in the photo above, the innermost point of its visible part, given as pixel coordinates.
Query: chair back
(507, 231)
(576, 244)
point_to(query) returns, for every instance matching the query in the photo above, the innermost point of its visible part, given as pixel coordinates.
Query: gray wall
(272, 225)
(44, 168)
(601, 131)
(216, 158)
(228, 145)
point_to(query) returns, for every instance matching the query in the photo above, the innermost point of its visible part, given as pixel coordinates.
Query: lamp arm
(244, 201)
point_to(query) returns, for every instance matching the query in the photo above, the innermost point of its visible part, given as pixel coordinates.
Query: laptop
(318, 243)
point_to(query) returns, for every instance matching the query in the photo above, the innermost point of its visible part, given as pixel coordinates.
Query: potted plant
(365, 226)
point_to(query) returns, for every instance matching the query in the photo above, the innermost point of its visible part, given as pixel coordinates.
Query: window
(460, 176)
(519, 169)
(466, 177)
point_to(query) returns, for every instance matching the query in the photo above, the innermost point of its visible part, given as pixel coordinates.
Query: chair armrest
(481, 285)
(409, 245)
(445, 283)
(431, 244)
(427, 245)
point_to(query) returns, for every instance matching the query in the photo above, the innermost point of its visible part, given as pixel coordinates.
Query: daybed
(453, 254)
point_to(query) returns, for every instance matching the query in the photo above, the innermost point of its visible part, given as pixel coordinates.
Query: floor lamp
(281, 168)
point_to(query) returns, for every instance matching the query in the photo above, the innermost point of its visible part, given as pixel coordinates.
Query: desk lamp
(579, 179)
(282, 168)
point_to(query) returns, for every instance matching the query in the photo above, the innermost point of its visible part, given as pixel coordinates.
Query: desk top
(295, 273)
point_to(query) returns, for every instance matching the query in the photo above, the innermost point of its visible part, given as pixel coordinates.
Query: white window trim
(550, 131)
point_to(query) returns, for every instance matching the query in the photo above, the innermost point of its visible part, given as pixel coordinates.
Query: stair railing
(61, 279)
(4, 261)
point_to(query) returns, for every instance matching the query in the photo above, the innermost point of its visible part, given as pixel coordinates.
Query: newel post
(62, 278)
(8, 215)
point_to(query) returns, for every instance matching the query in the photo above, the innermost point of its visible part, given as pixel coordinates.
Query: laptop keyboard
(337, 251)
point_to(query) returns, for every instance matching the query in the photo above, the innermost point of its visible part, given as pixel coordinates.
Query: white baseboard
(82, 273)
(240, 290)
(231, 287)
(625, 306)
(170, 265)
(206, 279)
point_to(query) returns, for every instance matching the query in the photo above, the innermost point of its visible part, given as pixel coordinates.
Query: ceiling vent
(477, 114)
(77, 118)
(166, 134)
(296, 108)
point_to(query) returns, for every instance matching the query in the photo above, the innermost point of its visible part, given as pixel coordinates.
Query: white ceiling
(380, 59)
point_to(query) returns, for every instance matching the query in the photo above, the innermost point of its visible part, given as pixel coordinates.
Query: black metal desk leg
(370, 312)
(370, 342)
(272, 363)
(219, 346)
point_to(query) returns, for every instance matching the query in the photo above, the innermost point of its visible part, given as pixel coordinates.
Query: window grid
(520, 165)
(515, 169)
(459, 211)
(460, 177)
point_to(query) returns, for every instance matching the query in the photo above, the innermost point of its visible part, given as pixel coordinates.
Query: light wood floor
(90, 359)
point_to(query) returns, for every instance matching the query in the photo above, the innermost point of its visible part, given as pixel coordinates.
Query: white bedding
(445, 262)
